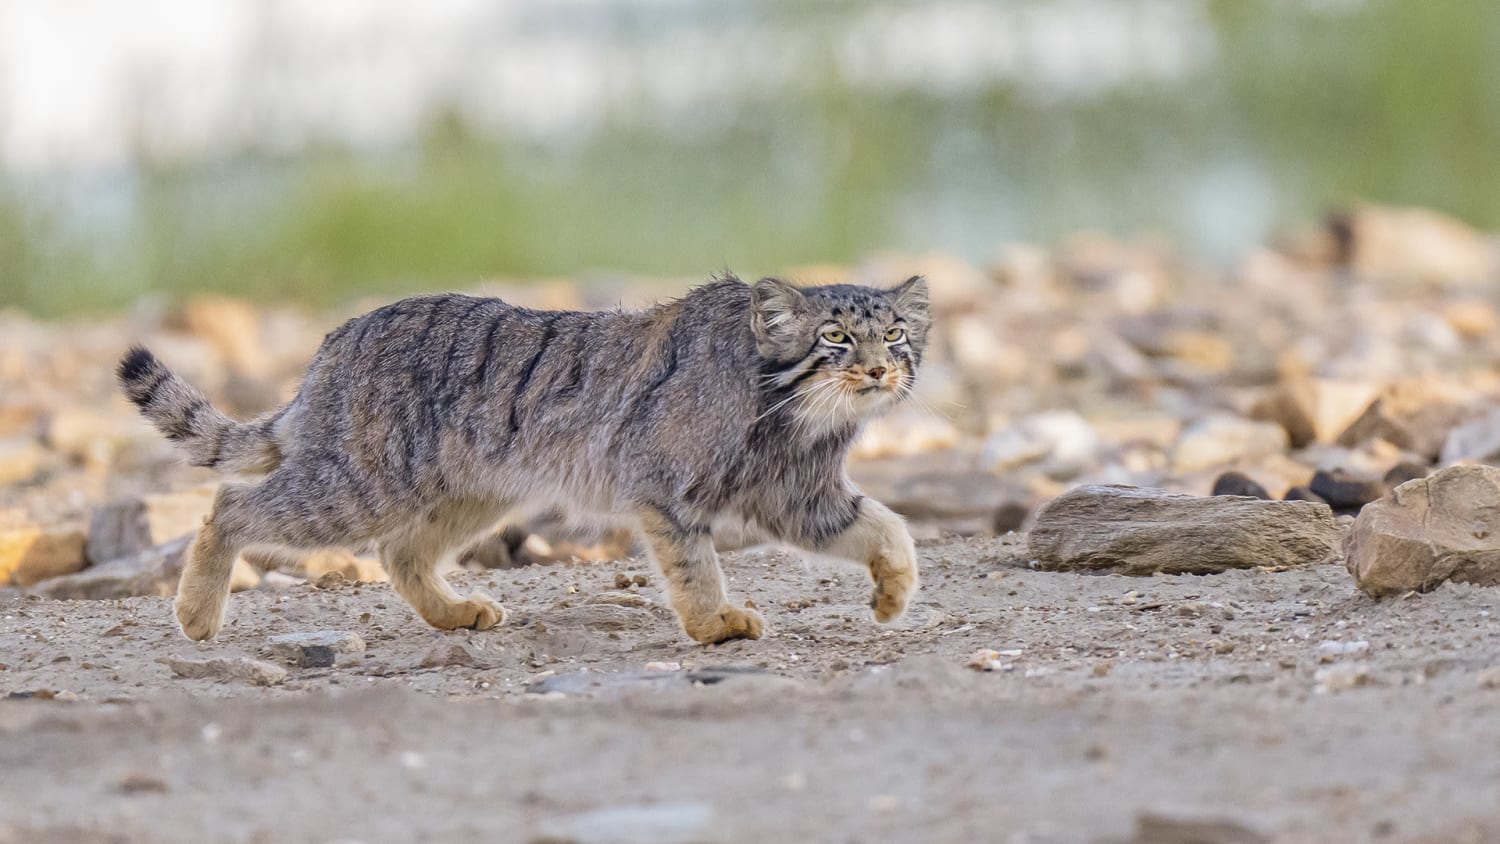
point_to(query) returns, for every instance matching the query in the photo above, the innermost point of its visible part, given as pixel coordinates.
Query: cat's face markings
(849, 352)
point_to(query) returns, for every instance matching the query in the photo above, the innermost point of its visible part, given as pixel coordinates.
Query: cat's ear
(911, 297)
(775, 308)
(911, 304)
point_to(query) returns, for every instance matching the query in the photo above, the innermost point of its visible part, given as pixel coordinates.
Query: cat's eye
(895, 335)
(835, 336)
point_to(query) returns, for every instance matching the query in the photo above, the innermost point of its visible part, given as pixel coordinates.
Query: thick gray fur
(422, 424)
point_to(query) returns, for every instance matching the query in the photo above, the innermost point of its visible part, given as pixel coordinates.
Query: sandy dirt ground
(1228, 708)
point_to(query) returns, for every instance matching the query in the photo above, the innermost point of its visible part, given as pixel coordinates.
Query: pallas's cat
(421, 425)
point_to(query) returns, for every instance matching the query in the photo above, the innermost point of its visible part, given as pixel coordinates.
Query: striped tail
(185, 416)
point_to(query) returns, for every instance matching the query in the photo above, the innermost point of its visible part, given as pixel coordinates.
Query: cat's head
(840, 353)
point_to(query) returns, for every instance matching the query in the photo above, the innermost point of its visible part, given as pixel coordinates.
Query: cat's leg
(290, 507)
(878, 539)
(203, 588)
(411, 557)
(695, 583)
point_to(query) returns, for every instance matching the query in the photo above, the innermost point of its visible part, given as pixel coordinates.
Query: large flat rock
(1146, 531)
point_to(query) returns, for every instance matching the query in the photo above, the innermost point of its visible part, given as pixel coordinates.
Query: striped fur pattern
(422, 424)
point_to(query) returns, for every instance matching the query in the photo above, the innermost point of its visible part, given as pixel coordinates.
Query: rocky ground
(1086, 663)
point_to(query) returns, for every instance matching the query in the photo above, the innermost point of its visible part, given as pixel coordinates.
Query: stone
(1238, 483)
(1332, 649)
(19, 417)
(30, 553)
(21, 459)
(276, 581)
(1411, 245)
(1477, 439)
(981, 354)
(232, 326)
(315, 564)
(1303, 493)
(318, 649)
(1443, 527)
(154, 571)
(906, 433)
(1062, 444)
(1472, 319)
(1403, 472)
(86, 435)
(1222, 439)
(499, 550)
(1009, 517)
(242, 669)
(136, 524)
(448, 654)
(985, 660)
(1340, 677)
(1346, 491)
(1146, 531)
(1164, 828)
(957, 494)
(1314, 409)
(1414, 415)
(660, 823)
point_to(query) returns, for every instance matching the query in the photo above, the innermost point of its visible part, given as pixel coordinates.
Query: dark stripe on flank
(525, 379)
(482, 371)
(572, 382)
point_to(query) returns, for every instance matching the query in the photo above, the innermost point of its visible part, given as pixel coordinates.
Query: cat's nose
(876, 372)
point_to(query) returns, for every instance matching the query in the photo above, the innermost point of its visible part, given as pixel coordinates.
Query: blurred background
(320, 151)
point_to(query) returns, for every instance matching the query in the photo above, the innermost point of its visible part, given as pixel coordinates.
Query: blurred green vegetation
(1393, 101)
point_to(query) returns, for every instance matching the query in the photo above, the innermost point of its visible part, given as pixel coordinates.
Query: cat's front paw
(729, 623)
(893, 592)
(199, 616)
(480, 612)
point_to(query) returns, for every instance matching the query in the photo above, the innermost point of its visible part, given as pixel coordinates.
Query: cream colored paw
(893, 592)
(199, 619)
(727, 624)
(479, 612)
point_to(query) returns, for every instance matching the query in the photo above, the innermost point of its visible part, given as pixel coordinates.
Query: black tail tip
(137, 364)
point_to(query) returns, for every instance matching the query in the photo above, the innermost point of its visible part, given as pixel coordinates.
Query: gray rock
(1062, 443)
(1346, 491)
(448, 654)
(1415, 416)
(153, 571)
(319, 649)
(1146, 531)
(1165, 828)
(1445, 526)
(596, 682)
(1478, 439)
(1222, 440)
(1238, 483)
(137, 524)
(242, 669)
(663, 823)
